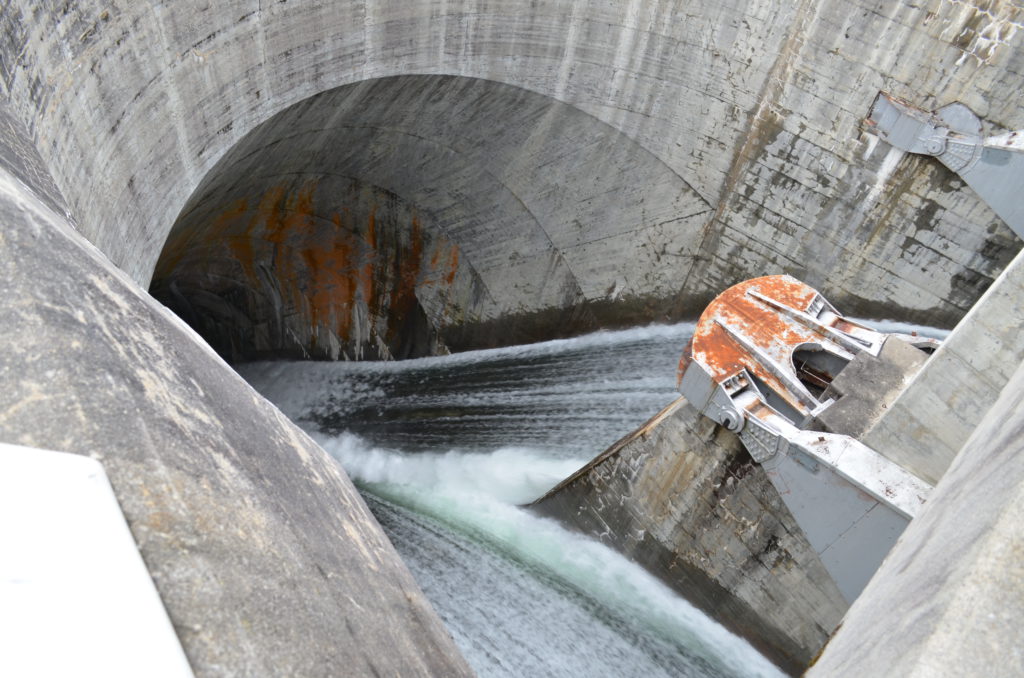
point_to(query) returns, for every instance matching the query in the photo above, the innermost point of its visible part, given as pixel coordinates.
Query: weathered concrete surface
(949, 599)
(341, 219)
(266, 558)
(19, 157)
(756, 106)
(682, 497)
(944, 403)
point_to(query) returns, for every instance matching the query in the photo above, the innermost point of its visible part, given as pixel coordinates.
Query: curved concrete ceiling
(480, 204)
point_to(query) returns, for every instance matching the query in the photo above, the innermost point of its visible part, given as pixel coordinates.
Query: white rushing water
(553, 602)
(446, 450)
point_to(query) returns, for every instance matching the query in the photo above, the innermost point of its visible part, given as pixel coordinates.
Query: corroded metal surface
(760, 324)
(735, 316)
(769, 360)
(784, 333)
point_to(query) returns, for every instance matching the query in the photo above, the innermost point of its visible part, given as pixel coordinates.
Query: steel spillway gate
(773, 361)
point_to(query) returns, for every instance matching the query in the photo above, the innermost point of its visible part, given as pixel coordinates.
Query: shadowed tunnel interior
(411, 215)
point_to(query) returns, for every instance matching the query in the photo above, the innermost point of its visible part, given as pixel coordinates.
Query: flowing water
(446, 449)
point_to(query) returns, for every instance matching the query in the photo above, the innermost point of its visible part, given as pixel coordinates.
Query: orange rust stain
(444, 265)
(248, 249)
(844, 325)
(331, 286)
(724, 357)
(327, 255)
(367, 281)
(784, 289)
(182, 244)
(761, 411)
(325, 268)
(453, 266)
(684, 360)
(763, 326)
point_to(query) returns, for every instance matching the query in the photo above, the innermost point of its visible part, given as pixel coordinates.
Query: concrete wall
(949, 598)
(682, 497)
(755, 106)
(944, 403)
(267, 560)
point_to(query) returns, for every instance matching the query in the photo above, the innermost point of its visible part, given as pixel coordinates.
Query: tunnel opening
(316, 267)
(417, 215)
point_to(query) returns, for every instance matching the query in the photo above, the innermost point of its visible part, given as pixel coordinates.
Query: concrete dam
(188, 183)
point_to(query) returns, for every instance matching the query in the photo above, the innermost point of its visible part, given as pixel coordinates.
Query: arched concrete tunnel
(401, 216)
(410, 215)
(568, 165)
(384, 178)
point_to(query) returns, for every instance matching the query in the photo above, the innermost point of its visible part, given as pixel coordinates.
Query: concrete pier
(935, 415)
(682, 497)
(949, 599)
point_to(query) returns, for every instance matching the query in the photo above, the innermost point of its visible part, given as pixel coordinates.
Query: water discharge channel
(446, 449)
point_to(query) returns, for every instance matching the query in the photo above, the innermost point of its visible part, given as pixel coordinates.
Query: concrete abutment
(579, 137)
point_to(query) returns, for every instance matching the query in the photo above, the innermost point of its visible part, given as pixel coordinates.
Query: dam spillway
(447, 468)
(537, 169)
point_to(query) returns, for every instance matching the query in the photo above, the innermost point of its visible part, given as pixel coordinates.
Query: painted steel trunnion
(993, 166)
(776, 363)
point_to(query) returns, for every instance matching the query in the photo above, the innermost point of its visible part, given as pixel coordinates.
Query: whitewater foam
(479, 494)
